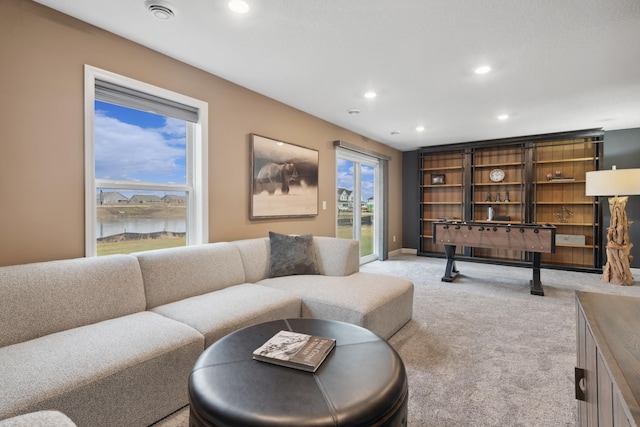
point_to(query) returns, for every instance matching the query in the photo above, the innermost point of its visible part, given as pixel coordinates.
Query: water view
(113, 227)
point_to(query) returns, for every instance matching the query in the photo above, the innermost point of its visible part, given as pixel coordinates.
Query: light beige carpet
(483, 351)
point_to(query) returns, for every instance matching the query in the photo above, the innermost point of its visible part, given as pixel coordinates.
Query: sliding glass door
(357, 193)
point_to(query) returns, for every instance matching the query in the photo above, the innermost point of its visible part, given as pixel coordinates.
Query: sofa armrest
(337, 257)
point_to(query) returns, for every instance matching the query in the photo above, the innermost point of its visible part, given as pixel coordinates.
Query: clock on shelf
(496, 175)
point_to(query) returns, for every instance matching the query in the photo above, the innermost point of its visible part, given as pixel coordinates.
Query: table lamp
(616, 182)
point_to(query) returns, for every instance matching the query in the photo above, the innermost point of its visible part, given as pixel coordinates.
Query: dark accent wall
(410, 200)
(620, 147)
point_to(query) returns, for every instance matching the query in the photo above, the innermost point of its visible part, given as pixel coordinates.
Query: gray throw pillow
(292, 255)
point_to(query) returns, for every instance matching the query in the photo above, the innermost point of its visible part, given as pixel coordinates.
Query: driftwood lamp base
(618, 267)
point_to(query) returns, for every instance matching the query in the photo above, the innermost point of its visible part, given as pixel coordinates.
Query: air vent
(160, 9)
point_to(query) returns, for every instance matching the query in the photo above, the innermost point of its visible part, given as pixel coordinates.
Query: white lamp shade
(615, 182)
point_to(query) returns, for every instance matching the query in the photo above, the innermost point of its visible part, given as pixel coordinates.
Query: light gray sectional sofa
(111, 341)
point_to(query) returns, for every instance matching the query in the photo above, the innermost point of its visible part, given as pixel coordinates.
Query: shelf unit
(559, 199)
(487, 194)
(443, 200)
(535, 194)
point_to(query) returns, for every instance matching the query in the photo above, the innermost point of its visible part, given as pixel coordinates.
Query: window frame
(378, 217)
(197, 159)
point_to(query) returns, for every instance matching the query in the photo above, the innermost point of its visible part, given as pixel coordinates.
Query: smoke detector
(160, 9)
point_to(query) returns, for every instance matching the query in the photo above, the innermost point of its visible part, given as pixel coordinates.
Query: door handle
(580, 384)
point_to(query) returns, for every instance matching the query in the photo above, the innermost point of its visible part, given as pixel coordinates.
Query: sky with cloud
(345, 178)
(135, 145)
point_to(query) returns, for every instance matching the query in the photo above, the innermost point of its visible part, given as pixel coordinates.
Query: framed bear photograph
(284, 179)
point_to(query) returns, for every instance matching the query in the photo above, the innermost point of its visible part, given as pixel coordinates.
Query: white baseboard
(395, 253)
(402, 251)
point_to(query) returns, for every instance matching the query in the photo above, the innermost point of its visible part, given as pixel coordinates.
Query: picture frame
(437, 179)
(284, 179)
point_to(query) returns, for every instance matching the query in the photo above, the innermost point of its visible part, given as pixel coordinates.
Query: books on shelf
(295, 350)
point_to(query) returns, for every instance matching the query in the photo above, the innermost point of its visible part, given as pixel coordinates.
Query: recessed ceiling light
(239, 6)
(353, 111)
(370, 95)
(160, 9)
(482, 70)
(503, 117)
(420, 128)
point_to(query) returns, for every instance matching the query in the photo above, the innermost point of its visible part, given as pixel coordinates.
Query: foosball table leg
(450, 271)
(536, 285)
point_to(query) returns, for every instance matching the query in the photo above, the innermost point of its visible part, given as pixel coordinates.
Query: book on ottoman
(295, 350)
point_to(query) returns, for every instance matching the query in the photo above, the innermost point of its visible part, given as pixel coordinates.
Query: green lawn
(366, 237)
(130, 246)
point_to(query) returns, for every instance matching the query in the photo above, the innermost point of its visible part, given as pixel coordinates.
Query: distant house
(110, 197)
(370, 204)
(172, 199)
(345, 199)
(144, 198)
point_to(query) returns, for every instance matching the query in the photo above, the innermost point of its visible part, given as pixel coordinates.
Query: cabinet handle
(580, 384)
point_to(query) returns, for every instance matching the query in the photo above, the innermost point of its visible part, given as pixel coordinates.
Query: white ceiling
(557, 65)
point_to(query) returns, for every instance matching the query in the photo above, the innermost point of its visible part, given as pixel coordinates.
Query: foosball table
(534, 238)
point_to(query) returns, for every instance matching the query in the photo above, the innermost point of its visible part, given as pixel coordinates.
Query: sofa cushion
(382, 304)
(336, 257)
(218, 313)
(291, 255)
(43, 298)
(129, 371)
(255, 254)
(178, 273)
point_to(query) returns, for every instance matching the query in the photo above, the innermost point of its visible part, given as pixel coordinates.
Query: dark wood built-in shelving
(537, 195)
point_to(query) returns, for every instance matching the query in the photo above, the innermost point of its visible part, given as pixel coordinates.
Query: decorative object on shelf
(506, 196)
(496, 175)
(488, 199)
(490, 214)
(563, 214)
(558, 174)
(498, 196)
(613, 183)
(437, 179)
(549, 176)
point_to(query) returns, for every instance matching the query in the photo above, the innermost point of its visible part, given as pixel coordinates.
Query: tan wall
(42, 56)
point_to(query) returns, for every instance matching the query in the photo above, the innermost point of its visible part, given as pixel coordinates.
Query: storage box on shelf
(544, 177)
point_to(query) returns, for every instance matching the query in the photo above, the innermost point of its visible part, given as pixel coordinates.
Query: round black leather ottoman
(361, 383)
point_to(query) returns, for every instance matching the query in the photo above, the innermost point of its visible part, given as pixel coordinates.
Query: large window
(145, 165)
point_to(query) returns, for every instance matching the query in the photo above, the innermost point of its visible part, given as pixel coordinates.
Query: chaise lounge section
(111, 341)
